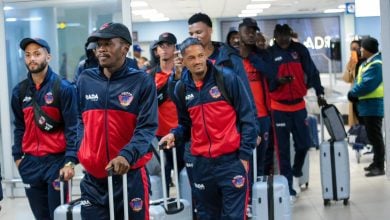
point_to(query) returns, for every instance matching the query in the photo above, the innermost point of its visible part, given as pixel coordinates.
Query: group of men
(224, 101)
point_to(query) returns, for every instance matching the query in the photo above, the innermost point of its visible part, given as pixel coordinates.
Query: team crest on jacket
(49, 98)
(238, 181)
(214, 92)
(294, 55)
(125, 98)
(136, 204)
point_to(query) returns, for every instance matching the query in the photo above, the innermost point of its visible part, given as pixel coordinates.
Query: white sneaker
(249, 211)
(293, 199)
(296, 185)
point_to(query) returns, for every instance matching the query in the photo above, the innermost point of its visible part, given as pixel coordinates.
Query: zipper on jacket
(35, 126)
(204, 123)
(106, 120)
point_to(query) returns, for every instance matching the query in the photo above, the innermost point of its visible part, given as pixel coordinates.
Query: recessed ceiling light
(246, 15)
(7, 8)
(138, 4)
(11, 19)
(251, 11)
(257, 6)
(341, 6)
(334, 10)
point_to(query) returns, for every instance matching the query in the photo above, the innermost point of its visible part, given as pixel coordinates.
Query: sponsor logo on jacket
(92, 97)
(189, 97)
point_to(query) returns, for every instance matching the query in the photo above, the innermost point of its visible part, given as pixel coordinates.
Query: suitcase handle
(62, 190)
(111, 195)
(179, 206)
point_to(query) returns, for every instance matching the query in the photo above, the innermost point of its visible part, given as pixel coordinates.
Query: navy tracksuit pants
(297, 124)
(94, 193)
(221, 186)
(40, 176)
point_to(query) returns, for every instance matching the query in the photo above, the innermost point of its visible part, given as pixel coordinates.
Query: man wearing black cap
(167, 114)
(258, 66)
(368, 93)
(119, 119)
(44, 106)
(296, 72)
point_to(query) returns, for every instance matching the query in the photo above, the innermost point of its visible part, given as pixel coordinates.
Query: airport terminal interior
(325, 27)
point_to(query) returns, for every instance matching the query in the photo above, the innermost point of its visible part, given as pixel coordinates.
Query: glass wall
(65, 25)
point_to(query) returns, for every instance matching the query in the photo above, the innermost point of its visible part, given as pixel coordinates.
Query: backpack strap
(181, 91)
(23, 87)
(218, 74)
(162, 93)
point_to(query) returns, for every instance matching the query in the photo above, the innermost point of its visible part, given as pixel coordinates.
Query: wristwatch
(69, 164)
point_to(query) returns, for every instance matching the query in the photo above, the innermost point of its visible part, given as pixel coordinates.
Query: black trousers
(373, 126)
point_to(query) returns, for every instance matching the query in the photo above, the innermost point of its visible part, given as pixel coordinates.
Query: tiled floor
(370, 197)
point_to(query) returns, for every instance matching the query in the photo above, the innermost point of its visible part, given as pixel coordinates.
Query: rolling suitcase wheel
(346, 202)
(326, 202)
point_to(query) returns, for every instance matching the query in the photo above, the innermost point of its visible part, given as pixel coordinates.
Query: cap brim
(165, 41)
(96, 36)
(27, 41)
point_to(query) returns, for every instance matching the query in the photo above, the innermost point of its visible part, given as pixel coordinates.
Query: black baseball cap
(167, 37)
(111, 30)
(39, 41)
(249, 22)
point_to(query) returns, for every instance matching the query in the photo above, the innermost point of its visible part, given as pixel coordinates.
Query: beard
(38, 69)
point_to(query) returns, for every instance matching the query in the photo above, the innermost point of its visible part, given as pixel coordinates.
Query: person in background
(261, 42)
(258, 67)
(154, 59)
(144, 64)
(118, 121)
(221, 54)
(296, 72)
(137, 50)
(44, 106)
(90, 60)
(167, 114)
(233, 38)
(350, 73)
(222, 132)
(368, 93)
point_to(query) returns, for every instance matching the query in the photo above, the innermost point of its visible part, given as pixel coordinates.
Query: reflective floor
(370, 197)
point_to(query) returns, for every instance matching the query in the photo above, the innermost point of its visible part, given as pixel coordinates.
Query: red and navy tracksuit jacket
(28, 138)
(295, 61)
(167, 114)
(119, 117)
(215, 127)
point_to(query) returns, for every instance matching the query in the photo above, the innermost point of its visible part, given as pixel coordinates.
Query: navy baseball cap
(111, 30)
(249, 22)
(167, 38)
(136, 47)
(39, 41)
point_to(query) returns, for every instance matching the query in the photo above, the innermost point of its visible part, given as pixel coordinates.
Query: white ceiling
(183, 9)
